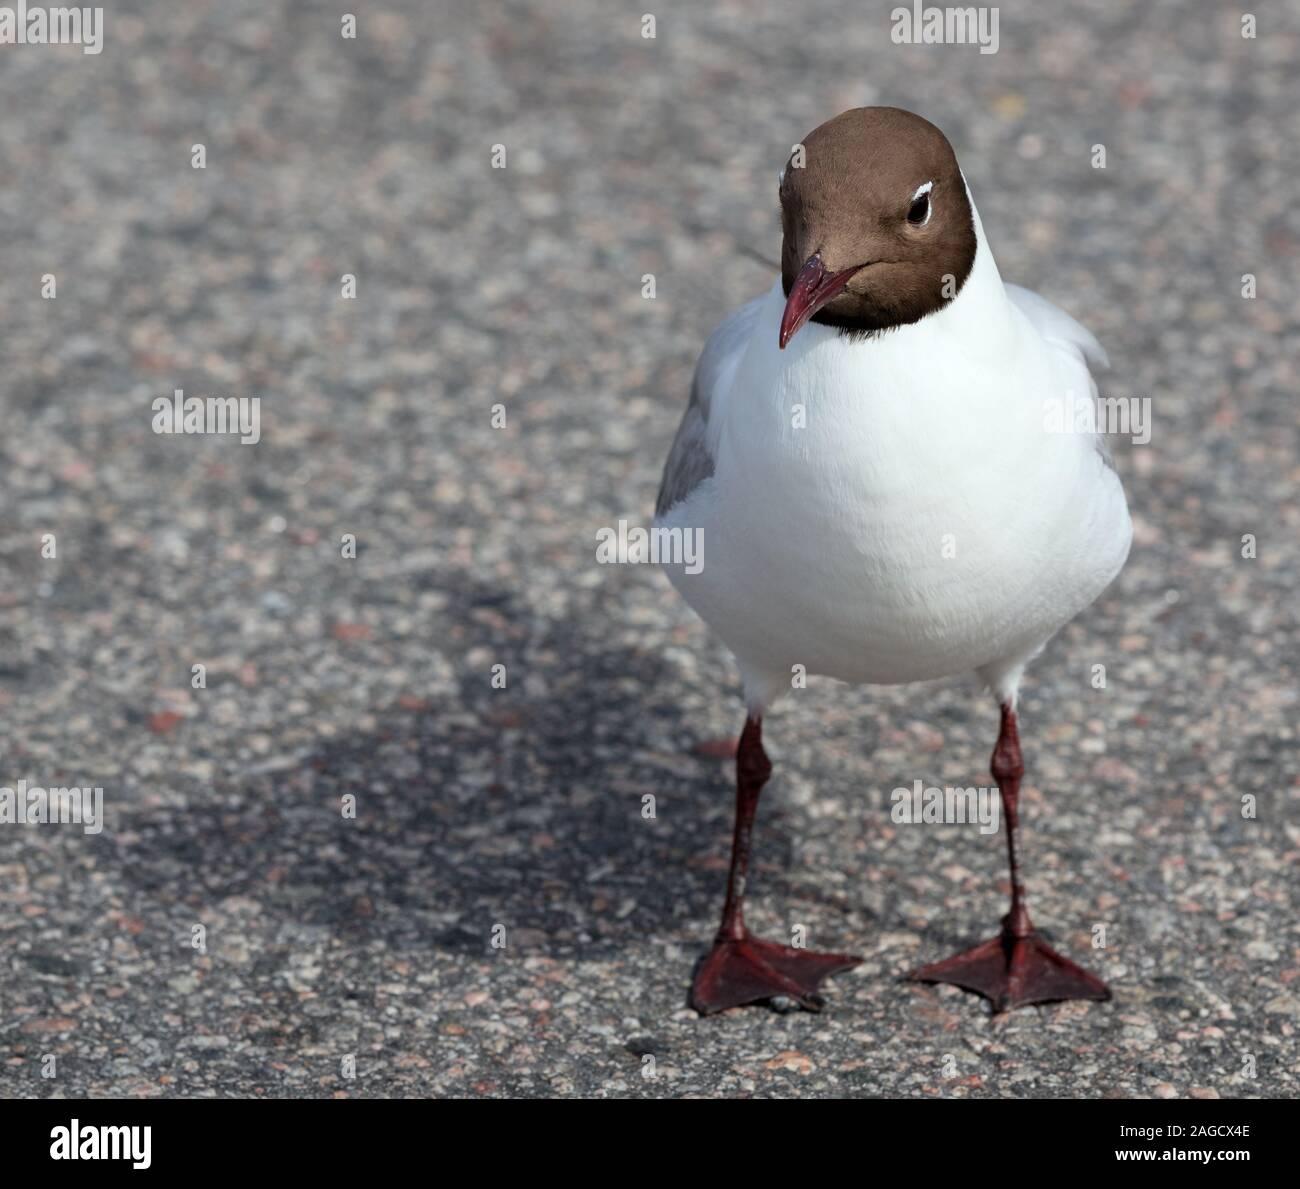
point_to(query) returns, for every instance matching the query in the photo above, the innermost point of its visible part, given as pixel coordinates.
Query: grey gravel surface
(486, 814)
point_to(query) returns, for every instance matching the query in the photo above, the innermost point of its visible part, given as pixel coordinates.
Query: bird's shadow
(523, 809)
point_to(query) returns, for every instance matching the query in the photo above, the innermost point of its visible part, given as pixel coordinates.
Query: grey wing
(1055, 325)
(690, 461)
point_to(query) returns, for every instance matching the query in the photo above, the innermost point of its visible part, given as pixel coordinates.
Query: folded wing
(1059, 329)
(690, 461)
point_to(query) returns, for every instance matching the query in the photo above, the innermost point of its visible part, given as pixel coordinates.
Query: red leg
(1017, 967)
(742, 969)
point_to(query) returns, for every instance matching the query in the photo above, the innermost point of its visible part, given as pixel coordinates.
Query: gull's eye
(918, 214)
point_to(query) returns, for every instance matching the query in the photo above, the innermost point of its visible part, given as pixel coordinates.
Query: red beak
(812, 289)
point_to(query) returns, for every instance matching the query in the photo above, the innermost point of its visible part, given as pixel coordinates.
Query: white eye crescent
(920, 209)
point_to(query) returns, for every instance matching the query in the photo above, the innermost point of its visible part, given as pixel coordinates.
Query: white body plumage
(898, 508)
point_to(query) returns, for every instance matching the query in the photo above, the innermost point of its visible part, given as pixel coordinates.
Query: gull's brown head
(878, 230)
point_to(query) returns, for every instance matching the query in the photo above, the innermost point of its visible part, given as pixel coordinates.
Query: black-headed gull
(881, 499)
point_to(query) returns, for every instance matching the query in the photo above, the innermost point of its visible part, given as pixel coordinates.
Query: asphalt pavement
(391, 839)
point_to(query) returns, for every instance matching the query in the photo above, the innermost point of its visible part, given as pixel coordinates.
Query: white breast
(895, 510)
